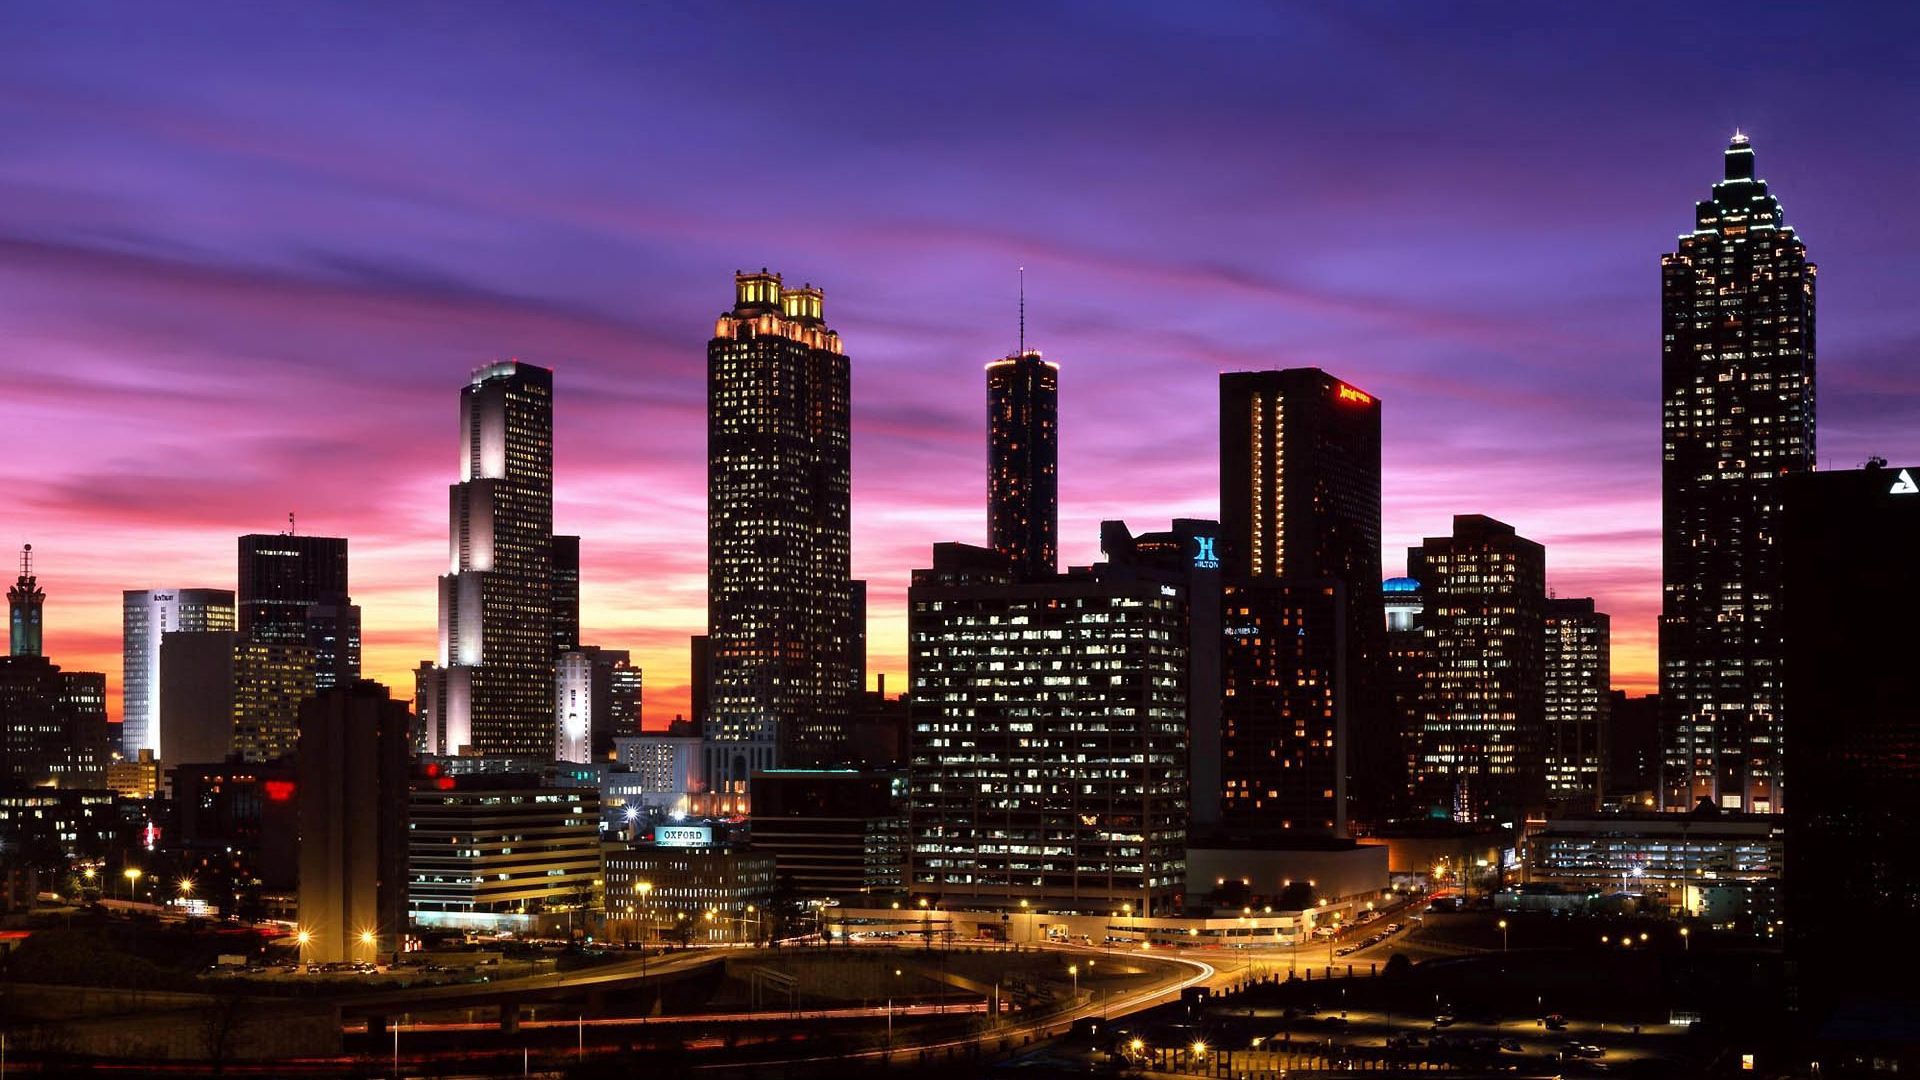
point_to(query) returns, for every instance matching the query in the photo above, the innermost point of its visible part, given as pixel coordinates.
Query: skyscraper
(1480, 748)
(492, 692)
(148, 615)
(566, 593)
(25, 601)
(1023, 461)
(293, 591)
(1853, 747)
(1578, 676)
(1300, 501)
(1737, 399)
(351, 776)
(779, 481)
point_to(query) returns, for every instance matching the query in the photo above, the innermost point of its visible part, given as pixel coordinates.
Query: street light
(303, 938)
(1686, 941)
(132, 875)
(186, 886)
(1503, 935)
(1074, 970)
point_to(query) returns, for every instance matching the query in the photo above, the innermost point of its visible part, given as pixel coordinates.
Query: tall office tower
(779, 479)
(1737, 402)
(1481, 743)
(148, 615)
(1579, 670)
(1049, 736)
(1023, 461)
(1186, 555)
(25, 601)
(294, 591)
(492, 692)
(1300, 499)
(351, 773)
(1853, 747)
(566, 593)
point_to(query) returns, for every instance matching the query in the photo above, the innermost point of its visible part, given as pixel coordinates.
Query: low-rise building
(684, 887)
(835, 834)
(1716, 864)
(494, 850)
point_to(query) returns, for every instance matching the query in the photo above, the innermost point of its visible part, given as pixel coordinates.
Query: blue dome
(1399, 584)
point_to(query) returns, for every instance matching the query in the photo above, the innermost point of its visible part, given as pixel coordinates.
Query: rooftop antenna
(1023, 311)
(26, 561)
(290, 523)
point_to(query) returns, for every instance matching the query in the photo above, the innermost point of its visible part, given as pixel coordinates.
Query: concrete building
(196, 702)
(494, 850)
(351, 785)
(691, 891)
(1707, 862)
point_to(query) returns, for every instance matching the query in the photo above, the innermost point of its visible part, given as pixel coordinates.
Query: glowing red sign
(279, 790)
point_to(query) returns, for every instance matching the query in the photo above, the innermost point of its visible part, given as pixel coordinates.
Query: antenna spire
(290, 523)
(26, 561)
(1023, 311)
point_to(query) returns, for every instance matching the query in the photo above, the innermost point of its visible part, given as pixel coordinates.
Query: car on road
(1512, 1046)
(1443, 1020)
(1555, 1022)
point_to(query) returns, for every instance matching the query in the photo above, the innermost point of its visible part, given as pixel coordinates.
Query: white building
(147, 616)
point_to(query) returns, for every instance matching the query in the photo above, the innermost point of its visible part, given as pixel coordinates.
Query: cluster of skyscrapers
(1075, 739)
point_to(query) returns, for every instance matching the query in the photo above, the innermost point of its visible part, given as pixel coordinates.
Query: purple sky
(248, 253)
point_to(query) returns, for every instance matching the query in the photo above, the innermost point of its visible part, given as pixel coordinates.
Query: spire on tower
(1023, 312)
(24, 603)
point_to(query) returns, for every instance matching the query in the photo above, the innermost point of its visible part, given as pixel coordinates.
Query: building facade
(491, 692)
(352, 799)
(148, 615)
(1023, 462)
(1300, 500)
(293, 590)
(1048, 755)
(597, 695)
(492, 850)
(1578, 699)
(1853, 748)
(834, 834)
(1283, 709)
(1737, 415)
(779, 481)
(701, 892)
(1480, 743)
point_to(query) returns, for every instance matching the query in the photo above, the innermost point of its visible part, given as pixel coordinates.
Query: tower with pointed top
(1023, 461)
(1737, 415)
(25, 601)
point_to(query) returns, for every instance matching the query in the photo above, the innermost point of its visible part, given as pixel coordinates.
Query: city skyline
(194, 371)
